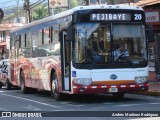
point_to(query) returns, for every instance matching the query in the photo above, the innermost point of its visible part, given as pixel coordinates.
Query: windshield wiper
(130, 62)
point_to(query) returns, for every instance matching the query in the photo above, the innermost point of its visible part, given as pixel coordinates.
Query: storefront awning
(143, 3)
(9, 26)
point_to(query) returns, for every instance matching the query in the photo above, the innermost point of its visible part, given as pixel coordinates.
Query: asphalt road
(89, 106)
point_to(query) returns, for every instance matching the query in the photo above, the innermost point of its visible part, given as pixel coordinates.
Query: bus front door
(65, 61)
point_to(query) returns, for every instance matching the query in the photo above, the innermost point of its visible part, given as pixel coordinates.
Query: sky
(5, 4)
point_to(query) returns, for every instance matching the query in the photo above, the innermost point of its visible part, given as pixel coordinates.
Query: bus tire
(1, 84)
(24, 89)
(118, 95)
(54, 88)
(8, 85)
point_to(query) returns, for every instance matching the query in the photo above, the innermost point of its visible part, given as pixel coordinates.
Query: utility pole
(129, 1)
(87, 2)
(68, 2)
(49, 12)
(27, 8)
(17, 11)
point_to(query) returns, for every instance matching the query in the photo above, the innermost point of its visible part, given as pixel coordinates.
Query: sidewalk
(154, 85)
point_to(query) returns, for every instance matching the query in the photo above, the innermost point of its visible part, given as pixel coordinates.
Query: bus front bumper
(106, 89)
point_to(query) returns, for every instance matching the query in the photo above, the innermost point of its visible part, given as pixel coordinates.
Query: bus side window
(34, 44)
(27, 51)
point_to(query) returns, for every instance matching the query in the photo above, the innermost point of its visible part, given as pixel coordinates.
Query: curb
(149, 93)
(152, 83)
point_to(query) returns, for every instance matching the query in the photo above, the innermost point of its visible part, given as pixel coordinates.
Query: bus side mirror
(150, 33)
(70, 33)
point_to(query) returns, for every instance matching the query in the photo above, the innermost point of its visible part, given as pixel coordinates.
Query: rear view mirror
(70, 33)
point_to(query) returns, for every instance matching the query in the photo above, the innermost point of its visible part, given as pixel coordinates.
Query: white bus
(73, 52)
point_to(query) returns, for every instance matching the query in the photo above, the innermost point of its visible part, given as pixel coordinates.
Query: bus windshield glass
(106, 44)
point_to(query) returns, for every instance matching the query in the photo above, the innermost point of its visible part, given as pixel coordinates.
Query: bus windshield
(104, 44)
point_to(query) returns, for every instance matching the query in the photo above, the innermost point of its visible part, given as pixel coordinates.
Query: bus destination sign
(110, 17)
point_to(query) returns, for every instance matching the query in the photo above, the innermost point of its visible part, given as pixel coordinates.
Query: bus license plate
(113, 89)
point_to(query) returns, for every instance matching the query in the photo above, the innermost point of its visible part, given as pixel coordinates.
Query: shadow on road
(82, 99)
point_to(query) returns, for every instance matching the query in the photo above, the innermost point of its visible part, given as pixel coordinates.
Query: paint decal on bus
(73, 73)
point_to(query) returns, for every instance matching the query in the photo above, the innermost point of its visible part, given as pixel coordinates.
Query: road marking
(6, 91)
(150, 97)
(33, 101)
(76, 105)
(108, 103)
(146, 118)
(127, 105)
(30, 107)
(154, 103)
(2, 109)
(65, 102)
(72, 104)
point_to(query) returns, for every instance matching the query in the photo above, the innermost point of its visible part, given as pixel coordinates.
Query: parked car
(5, 74)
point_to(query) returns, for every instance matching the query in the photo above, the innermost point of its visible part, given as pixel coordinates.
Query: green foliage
(74, 3)
(40, 12)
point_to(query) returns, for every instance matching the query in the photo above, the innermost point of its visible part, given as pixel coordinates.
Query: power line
(37, 3)
(13, 6)
(7, 2)
(22, 11)
(21, 5)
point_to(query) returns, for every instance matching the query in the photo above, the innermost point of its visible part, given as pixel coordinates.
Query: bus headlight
(83, 81)
(141, 79)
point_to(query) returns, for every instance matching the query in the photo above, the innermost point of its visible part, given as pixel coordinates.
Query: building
(152, 11)
(5, 38)
(109, 2)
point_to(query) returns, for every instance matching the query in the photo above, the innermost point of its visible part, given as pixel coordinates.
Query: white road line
(33, 101)
(65, 102)
(72, 104)
(126, 105)
(7, 91)
(30, 107)
(154, 103)
(2, 109)
(150, 97)
(108, 103)
(146, 118)
(76, 105)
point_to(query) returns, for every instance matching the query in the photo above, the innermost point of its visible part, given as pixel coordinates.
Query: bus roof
(71, 11)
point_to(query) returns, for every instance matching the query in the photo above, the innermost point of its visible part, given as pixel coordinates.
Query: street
(14, 100)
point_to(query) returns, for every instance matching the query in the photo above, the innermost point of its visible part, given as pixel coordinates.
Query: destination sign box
(115, 17)
(110, 17)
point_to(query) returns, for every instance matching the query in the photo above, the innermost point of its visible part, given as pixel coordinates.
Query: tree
(40, 12)
(73, 3)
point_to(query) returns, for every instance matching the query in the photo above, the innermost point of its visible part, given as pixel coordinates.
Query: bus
(73, 52)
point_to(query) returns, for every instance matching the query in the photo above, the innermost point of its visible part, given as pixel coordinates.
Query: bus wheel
(54, 88)
(1, 85)
(118, 95)
(22, 83)
(8, 85)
